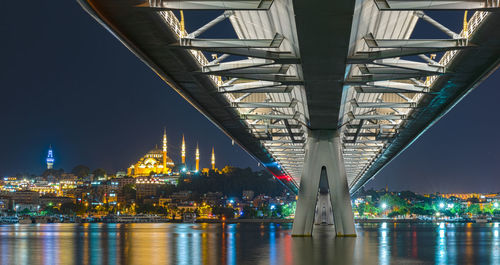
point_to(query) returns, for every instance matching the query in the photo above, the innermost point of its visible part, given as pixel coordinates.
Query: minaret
(164, 150)
(197, 158)
(213, 159)
(50, 158)
(183, 151)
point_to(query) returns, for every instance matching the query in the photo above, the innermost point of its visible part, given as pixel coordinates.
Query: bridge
(323, 93)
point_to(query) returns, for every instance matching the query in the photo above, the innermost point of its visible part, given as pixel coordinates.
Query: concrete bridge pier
(324, 161)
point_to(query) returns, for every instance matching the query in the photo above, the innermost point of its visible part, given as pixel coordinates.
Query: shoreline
(279, 221)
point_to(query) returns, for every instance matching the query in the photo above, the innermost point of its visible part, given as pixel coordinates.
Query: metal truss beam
(410, 65)
(391, 87)
(361, 134)
(368, 57)
(208, 4)
(394, 71)
(363, 79)
(288, 152)
(275, 56)
(283, 79)
(240, 71)
(383, 104)
(193, 43)
(371, 126)
(395, 5)
(283, 141)
(376, 116)
(378, 141)
(274, 126)
(268, 116)
(288, 161)
(290, 104)
(414, 43)
(360, 152)
(295, 134)
(234, 65)
(256, 87)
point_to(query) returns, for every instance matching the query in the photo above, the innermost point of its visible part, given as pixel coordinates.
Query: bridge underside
(326, 92)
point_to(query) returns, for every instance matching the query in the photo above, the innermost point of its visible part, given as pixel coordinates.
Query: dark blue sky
(66, 81)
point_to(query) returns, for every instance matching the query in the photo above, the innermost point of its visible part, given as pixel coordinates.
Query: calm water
(246, 244)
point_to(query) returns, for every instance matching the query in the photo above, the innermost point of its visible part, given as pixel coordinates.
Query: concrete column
(323, 152)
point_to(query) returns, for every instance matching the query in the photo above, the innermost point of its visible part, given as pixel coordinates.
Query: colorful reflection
(441, 255)
(495, 245)
(384, 253)
(254, 243)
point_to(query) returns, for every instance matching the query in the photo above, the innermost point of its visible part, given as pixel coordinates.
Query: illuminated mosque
(157, 161)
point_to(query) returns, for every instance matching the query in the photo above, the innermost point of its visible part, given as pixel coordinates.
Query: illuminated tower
(213, 159)
(183, 151)
(50, 158)
(164, 150)
(197, 158)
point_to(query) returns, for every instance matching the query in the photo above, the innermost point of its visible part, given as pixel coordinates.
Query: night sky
(68, 82)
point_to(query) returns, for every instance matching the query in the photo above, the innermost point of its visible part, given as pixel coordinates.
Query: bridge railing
(448, 56)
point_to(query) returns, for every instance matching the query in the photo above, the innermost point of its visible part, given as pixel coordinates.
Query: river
(249, 243)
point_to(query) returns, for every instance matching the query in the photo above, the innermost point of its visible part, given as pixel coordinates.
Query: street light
(383, 206)
(441, 205)
(495, 204)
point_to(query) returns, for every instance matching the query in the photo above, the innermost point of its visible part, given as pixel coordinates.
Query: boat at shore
(140, 218)
(9, 219)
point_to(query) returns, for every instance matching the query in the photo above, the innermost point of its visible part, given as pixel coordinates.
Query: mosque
(157, 161)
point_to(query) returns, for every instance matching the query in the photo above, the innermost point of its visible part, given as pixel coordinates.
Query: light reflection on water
(231, 244)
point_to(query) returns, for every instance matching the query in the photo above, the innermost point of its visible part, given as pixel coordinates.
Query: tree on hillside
(129, 192)
(53, 172)
(81, 171)
(99, 172)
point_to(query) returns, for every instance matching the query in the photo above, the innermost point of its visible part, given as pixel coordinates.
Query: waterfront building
(147, 187)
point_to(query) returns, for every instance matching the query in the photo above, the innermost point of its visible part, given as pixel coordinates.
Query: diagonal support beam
(161, 5)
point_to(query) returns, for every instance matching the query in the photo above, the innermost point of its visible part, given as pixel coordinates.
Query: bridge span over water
(323, 93)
